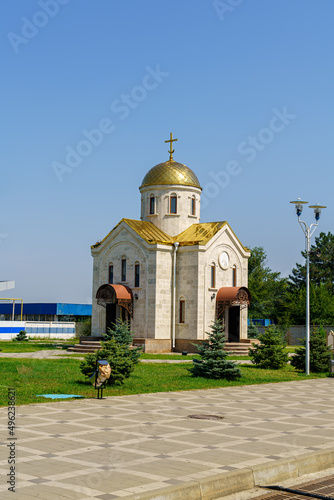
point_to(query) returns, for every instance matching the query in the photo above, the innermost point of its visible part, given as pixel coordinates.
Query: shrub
(213, 362)
(320, 354)
(21, 336)
(117, 351)
(252, 331)
(86, 328)
(270, 353)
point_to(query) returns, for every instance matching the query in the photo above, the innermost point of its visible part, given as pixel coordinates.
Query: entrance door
(125, 316)
(110, 316)
(234, 324)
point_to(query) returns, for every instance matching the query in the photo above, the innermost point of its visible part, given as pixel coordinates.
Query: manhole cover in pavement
(206, 417)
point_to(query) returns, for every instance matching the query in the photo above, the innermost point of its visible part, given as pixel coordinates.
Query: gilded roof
(199, 234)
(196, 234)
(170, 172)
(149, 232)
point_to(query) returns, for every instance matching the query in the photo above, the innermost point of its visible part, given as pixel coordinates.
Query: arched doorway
(229, 303)
(117, 301)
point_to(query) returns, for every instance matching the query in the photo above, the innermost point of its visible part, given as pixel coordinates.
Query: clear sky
(245, 85)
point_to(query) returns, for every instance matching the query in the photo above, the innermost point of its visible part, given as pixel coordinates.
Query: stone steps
(86, 346)
(234, 348)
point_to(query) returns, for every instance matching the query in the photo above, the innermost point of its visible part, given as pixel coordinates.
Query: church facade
(168, 274)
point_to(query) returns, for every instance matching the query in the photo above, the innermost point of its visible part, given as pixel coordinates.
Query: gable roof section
(196, 234)
(149, 232)
(146, 230)
(199, 234)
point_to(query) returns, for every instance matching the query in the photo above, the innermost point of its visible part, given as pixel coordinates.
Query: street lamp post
(308, 231)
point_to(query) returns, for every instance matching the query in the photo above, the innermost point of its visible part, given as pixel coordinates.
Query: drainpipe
(176, 245)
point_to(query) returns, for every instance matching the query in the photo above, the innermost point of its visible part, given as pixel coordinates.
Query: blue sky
(245, 85)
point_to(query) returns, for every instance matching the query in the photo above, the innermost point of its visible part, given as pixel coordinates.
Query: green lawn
(292, 348)
(183, 358)
(32, 346)
(30, 377)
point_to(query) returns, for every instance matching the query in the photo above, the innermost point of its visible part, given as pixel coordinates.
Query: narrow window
(173, 204)
(213, 276)
(111, 275)
(123, 269)
(193, 206)
(152, 205)
(234, 276)
(182, 311)
(137, 275)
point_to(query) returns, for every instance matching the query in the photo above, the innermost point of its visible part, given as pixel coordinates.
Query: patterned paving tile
(116, 447)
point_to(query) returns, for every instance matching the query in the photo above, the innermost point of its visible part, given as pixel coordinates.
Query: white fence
(38, 329)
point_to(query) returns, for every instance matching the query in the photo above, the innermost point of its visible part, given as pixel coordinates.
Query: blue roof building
(46, 311)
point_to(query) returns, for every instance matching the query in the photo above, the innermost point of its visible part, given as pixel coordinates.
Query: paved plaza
(134, 446)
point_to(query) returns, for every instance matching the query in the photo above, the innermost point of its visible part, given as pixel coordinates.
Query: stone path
(123, 447)
(57, 354)
(45, 354)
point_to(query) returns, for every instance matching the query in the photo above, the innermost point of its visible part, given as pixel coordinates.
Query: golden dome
(170, 172)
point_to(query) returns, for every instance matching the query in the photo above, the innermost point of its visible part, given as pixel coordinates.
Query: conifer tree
(252, 331)
(214, 362)
(123, 336)
(117, 350)
(270, 353)
(118, 357)
(319, 353)
(22, 336)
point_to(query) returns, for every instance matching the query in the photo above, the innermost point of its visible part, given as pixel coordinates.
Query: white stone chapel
(169, 274)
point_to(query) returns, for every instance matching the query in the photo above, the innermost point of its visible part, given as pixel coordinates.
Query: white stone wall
(194, 283)
(187, 289)
(171, 224)
(224, 241)
(163, 292)
(152, 309)
(111, 252)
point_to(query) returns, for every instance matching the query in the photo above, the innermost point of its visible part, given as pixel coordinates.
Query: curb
(221, 485)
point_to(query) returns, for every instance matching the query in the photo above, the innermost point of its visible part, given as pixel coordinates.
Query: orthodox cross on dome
(171, 151)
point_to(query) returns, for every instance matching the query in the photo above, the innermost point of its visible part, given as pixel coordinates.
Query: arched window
(137, 274)
(193, 205)
(234, 276)
(182, 311)
(152, 204)
(173, 204)
(213, 276)
(111, 274)
(123, 269)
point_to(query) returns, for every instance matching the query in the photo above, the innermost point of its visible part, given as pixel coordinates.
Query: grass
(30, 346)
(292, 348)
(30, 377)
(179, 357)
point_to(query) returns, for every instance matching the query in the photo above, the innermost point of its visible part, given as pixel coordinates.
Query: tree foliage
(122, 334)
(284, 299)
(267, 288)
(321, 284)
(252, 331)
(270, 353)
(321, 265)
(213, 362)
(320, 354)
(321, 305)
